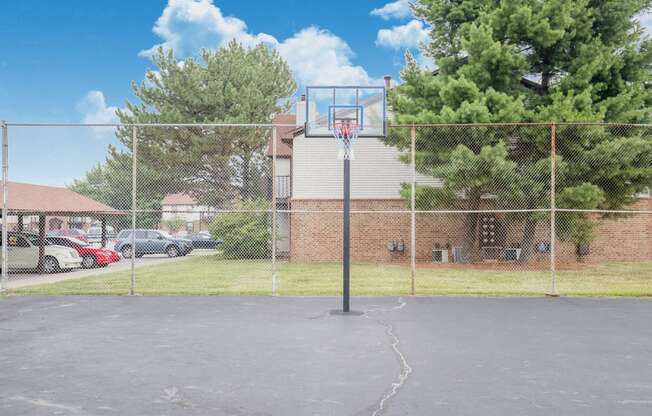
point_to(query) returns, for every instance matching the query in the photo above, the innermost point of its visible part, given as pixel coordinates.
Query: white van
(22, 253)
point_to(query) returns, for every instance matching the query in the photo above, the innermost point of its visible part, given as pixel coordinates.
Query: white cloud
(409, 35)
(315, 56)
(320, 58)
(95, 111)
(186, 26)
(399, 9)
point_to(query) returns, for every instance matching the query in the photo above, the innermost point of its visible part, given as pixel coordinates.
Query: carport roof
(31, 199)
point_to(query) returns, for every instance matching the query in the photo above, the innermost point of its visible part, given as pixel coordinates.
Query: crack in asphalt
(405, 366)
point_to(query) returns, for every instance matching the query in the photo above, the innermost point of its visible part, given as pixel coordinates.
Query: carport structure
(24, 199)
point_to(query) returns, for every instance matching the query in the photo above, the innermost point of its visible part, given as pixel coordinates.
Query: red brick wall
(317, 236)
(624, 238)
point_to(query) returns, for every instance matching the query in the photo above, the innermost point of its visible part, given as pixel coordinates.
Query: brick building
(313, 230)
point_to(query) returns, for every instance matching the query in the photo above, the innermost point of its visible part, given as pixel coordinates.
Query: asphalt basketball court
(293, 356)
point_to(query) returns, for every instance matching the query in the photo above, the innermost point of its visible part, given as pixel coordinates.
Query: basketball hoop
(346, 133)
(345, 113)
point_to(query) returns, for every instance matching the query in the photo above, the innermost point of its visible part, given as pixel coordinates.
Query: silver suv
(152, 242)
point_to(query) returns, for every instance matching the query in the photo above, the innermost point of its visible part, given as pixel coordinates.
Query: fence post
(413, 216)
(274, 190)
(553, 225)
(5, 210)
(134, 155)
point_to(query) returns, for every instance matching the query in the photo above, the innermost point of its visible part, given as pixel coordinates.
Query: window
(59, 241)
(72, 242)
(142, 234)
(17, 241)
(152, 235)
(123, 234)
(647, 193)
(34, 239)
(165, 235)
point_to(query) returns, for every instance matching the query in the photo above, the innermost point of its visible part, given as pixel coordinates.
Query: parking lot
(29, 278)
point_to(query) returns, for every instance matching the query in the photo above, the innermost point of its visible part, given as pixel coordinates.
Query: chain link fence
(256, 209)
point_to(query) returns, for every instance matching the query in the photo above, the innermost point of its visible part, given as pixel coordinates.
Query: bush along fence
(257, 209)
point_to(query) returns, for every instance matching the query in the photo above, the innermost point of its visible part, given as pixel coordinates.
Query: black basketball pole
(345, 229)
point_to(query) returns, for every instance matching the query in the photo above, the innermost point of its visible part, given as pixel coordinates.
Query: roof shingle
(282, 148)
(27, 198)
(180, 198)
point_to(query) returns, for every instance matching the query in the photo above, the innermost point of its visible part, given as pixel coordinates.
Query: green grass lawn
(208, 275)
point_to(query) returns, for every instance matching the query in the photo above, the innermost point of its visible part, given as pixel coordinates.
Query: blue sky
(73, 61)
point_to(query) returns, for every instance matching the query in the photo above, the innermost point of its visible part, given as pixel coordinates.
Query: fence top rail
(267, 125)
(408, 211)
(522, 124)
(605, 211)
(270, 125)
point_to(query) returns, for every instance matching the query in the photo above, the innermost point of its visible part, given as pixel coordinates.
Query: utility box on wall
(396, 246)
(440, 255)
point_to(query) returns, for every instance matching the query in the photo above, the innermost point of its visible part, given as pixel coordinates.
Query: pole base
(552, 295)
(349, 313)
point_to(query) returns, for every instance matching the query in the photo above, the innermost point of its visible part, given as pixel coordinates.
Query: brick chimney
(301, 110)
(388, 82)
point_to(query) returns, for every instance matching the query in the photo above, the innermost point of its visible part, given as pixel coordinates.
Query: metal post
(134, 154)
(5, 210)
(413, 215)
(41, 244)
(553, 234)
(345, 232)
(103, 232)
(274, 191)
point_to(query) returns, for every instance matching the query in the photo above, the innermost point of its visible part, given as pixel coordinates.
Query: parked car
(23, 250)
(204, 240)
(151, 242)
(71, 232)
(94, 234)
(91, 256)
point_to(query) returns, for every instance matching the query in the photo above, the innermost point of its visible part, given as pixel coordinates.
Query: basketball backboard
(328, 105)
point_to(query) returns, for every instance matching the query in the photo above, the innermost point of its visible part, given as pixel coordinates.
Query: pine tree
(233, 84)
(530, 61)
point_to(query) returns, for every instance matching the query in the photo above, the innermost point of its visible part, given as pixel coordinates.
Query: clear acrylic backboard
(326, 106)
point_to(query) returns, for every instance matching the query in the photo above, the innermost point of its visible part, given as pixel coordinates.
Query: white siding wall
(192, 212)
(283, 166)
(376, 172)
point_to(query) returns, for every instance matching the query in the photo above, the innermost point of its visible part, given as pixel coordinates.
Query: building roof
(283, 133)
(31, 199)
(180, 198)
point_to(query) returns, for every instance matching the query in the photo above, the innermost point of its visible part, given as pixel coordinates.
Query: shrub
(246, 234)
(174, 225)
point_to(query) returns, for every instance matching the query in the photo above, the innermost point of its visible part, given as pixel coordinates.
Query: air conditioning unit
(395, 246)
(439, 255)
(512, 254)
(457, 254)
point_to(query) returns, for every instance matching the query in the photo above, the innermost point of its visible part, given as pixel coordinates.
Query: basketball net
(346, 134)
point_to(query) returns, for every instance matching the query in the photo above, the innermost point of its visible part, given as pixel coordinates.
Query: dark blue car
(204, 240)
(152, 242)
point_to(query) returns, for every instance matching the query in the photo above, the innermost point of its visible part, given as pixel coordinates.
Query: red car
(91, 256)
(71, 232)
